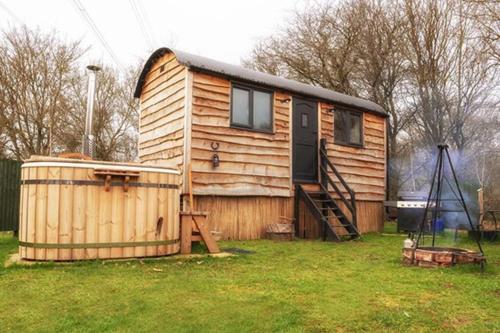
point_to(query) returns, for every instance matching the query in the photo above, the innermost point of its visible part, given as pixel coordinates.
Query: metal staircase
(336, 224)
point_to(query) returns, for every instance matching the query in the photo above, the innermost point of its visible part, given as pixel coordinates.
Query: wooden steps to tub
(194, 229)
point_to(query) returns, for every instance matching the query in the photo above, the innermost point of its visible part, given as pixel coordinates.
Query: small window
(305, 120)
(348, 128)
(251, 108)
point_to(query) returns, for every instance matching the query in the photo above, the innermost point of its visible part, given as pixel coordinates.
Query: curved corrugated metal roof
(200, 63)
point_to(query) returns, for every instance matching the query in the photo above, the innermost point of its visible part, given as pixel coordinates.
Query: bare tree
(355, 48)
(43, 100)
(451, 72)
(486, 14)
(115, 123)
(34, 75)
(427, 62)
(317, 47)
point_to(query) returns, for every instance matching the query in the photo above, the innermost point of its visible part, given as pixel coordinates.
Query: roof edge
(217, 68)
(147, 66)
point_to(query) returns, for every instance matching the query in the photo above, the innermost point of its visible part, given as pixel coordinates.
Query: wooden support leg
(205, 234)
(186, 232)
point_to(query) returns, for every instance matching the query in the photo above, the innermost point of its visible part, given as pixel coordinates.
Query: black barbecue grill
(411, 207)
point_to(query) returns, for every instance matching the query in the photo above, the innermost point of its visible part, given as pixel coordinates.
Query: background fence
(10, 183)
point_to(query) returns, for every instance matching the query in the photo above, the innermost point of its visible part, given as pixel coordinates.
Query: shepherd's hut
(255, 149)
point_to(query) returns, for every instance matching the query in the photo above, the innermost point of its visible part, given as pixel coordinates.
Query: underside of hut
(255, 149)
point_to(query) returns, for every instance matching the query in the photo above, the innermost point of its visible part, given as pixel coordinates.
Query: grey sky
(221, 29)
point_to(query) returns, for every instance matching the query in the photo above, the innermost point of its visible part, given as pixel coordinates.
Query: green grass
(301, 286)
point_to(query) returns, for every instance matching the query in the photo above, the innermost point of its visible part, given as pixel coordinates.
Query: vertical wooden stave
(117, 197)
(174, 213)
(41, 213)
(129, 220)
(162, 212)
(152, 213)
(79, 201)
(30, 232)
(91, 215)
(168, 216)
(104, 221)
(22, 213)
(66, 213)
(140, 216)
(52, 225)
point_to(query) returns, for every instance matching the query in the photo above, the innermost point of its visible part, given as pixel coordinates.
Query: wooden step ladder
(194, 229)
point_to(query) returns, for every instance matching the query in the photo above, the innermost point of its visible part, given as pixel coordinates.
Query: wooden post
(322, 148)
(190, 186)
(186, 232)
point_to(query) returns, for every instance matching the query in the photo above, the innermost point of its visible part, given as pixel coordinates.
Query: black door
(305, 141)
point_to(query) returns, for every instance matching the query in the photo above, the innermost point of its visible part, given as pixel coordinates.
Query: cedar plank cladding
(251, 163)
(161, 126)
(362, 168)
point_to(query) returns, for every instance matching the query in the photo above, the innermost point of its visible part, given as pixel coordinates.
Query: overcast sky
(221, 29)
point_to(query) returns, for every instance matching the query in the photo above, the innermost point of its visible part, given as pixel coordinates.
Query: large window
(348, 127)
(251, 108)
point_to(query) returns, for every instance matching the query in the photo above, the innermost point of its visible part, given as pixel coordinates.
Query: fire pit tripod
(433, 256)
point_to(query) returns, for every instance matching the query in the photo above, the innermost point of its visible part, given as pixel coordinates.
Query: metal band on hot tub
(97, 245)
(94, 183)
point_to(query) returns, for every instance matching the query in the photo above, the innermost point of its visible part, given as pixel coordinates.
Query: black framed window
(348, 127)
(251, 108)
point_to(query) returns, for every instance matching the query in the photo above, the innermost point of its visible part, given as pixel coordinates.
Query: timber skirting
(245, 217)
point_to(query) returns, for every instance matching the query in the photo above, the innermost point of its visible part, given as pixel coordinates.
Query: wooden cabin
(255, 149)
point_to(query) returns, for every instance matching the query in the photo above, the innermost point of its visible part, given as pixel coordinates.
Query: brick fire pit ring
(441, 256)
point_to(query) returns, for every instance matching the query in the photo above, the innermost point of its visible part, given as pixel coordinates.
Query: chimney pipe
(88, 146)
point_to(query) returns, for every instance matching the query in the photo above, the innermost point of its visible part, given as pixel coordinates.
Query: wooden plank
(104, 221)
(188, 121)
(162, 212)
(92, 216)
(242, 218)
(66, 214)
(24, 212)
(129, 219)
(174, 213)
(152, 213)
(79, 198)
(209, 241)
(140, 217)
(186, 232)
(32, 213)
(41, 213)
(117, 201)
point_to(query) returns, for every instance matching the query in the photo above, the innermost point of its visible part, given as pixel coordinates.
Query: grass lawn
(301, 286)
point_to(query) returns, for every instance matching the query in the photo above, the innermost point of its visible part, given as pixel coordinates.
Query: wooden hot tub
(76, 209)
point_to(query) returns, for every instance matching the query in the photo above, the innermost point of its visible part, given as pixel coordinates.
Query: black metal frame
(435, 197)
(328, 204)
(326, 180)
(251, 89)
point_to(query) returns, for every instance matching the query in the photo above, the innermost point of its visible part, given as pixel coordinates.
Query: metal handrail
(326, 180)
